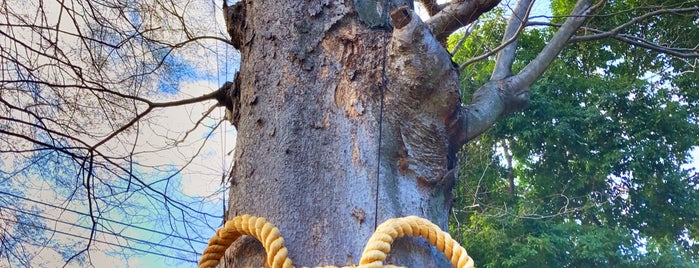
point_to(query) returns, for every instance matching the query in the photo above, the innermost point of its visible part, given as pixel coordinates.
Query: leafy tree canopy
(597, 171)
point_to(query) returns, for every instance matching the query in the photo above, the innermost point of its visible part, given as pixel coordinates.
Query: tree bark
(346, 120)
(320, 121)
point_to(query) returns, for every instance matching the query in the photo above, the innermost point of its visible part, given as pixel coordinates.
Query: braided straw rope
(380, 242)
(373, 256)
(253, 226)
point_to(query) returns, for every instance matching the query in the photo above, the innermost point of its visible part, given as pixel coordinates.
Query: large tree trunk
(310, 146)
(345, 120)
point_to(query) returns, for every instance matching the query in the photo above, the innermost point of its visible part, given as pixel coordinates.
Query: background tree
(85, 162)
(345, 118)
(596, 171)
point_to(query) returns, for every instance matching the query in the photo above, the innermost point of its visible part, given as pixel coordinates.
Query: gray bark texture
(345, 120)
(311, 82)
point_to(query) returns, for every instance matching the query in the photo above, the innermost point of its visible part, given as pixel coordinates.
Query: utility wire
(382, 88)
(105, 219)
(100, 241)
(100, 231)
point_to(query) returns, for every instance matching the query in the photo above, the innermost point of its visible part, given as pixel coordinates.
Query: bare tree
(83, 86)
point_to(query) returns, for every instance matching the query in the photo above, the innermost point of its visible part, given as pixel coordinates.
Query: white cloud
(156, 137)
(203, 154)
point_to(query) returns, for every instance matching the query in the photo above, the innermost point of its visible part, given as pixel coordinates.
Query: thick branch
(506, 57)
(456, 15)
(536, 67)
(491, 101)
(510, 94)
(414, 53)
(432, 7)
(503, 67)
(421, 98)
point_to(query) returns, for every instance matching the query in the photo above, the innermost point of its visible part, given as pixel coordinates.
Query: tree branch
(616, 30)
(629, 39)
(508, 43)
(431, 6)
(634, 40)
(457, 14)
(82, 72)
(151, 107)
(196, 124)
(468, 32)
(677, 52)
(506, 95)
(515, 25)
(536, 67)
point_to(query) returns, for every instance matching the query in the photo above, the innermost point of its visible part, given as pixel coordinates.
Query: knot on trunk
(228, 95)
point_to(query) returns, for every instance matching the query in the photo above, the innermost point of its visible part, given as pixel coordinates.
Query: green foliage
(595, 172)
(486, 35)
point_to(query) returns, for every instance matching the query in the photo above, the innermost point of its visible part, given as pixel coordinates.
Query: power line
(104, 219)
(101, 231)
(100, 241)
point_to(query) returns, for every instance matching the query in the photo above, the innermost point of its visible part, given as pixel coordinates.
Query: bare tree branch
(196, 124)
(468, 32)
(634, 40)
(616, 30)
(77, 77)
(677, 52)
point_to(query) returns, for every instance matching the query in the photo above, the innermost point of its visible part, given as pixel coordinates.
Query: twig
(468, 32)
(206, 114)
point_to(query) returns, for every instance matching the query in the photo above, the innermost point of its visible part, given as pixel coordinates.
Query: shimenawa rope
(374, 254)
